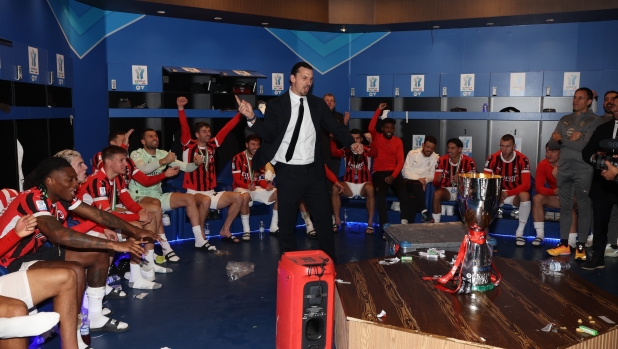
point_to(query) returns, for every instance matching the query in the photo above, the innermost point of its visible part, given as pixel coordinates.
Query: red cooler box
(305, 300)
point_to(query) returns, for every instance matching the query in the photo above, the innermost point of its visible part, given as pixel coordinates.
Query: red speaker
(305, 300)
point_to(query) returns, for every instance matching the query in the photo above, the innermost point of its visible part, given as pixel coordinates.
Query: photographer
(604, 188)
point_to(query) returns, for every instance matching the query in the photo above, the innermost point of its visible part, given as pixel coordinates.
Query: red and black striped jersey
(241, 166)
(515, 173)
(36, 203)
(98, 191)
(446, 168)
(6, 197)
(204, 178)
(356, 167)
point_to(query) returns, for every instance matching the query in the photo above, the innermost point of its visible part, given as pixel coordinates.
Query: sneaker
(580, 252)
(610, 251)
(426, 217)
(560, 250)
(589, 241)
(594, 263)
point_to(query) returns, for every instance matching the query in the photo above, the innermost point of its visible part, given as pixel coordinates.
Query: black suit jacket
(600, 185)
(272, 129)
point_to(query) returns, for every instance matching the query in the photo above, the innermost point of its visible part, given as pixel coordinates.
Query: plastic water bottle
(207, 229)
(554, 268)
(485, 107)
(111, 279)
(345, 216)
(261, 230)
(84, 330)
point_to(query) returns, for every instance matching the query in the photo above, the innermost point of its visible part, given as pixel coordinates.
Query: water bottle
(485, 107)
(552, 267)
(111, 279)
(207, 229)
(84, 330)
(345, 216)
(261, 230)
(165, 218)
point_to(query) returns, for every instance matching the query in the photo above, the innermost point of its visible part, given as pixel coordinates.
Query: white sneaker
(610, 252)
(589, 241)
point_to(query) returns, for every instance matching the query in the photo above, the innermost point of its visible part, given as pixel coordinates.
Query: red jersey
(6, 197)
(544, 175)
(390, 150)
(99, 191)
(515, 173)
(356, 165)
(132, 171)
(241, 171)
(448, 170)
(36, 203)
(204, 178)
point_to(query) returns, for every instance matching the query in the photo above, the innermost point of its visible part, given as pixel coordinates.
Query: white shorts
(355, 188)
(453, 192)
(213, 195)
(508, 201)
(15, 285)
(259, 194)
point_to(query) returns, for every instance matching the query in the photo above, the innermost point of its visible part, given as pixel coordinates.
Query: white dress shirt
(305, 146)
(417, 165)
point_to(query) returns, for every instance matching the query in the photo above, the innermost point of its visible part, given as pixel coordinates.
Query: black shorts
(45, 253)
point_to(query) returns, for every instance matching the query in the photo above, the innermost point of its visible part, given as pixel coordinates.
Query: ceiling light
(218, 18)
(343, 30)
(161, 12)
(550, 20)
(436, 27)
(490, 23)
(264, 23)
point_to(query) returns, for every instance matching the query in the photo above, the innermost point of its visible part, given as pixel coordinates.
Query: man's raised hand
(357, 148)
(181, 102)
(382, 106)
(245, 108)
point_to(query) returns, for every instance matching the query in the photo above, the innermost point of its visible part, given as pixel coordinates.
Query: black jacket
(272, 129)
(600, 185)
(326, 137)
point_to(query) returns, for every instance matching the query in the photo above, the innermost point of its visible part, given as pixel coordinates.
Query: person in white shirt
(418, 170)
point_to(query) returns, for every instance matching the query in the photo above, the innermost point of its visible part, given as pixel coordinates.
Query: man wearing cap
(546, 191)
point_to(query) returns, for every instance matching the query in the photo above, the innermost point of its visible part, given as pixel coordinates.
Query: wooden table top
(510, 316)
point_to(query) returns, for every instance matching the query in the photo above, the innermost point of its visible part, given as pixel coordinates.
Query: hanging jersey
(36, 203)
(6, 197)
(448, 170)
(512, 171)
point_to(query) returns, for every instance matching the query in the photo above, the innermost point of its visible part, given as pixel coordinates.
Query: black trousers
(602, 205)
(381, 188)
(416, 198)
(301, 181)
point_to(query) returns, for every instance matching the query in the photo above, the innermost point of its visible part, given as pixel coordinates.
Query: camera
(598, 161)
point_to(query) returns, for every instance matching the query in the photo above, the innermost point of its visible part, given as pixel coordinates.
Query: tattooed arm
(110, 221)
(55, 232)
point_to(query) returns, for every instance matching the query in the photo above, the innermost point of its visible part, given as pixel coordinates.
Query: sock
(244, 218)
(135, 272)
(165, 245)
(108, 289)
(333, 217)
(95, 306)
(274, 223)
(424, 211)
(199, 239)
(305, 216)
(27, 326)
(524, 213)
(540, 229)
(150, 257)
(436, 217)
(573, 240)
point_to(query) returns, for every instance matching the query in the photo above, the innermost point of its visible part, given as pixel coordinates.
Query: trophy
(478, 198)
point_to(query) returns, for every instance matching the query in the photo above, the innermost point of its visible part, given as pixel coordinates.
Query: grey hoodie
(571, 151)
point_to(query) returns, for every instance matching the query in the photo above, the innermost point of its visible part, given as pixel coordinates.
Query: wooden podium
(511, 316)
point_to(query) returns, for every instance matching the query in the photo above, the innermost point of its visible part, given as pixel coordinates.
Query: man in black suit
(603, 191)
(291, 141)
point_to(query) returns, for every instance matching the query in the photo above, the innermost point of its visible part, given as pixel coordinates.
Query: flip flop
(231, 239)
(246, 236)
(537, 241)
(172, 257)
(110, 326)
(115, 294)
(520, 242)
(336, 227)
(312, 234)
(106, 311)
(206, 247)
(369, 230)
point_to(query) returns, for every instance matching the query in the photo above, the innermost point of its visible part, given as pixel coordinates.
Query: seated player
(153, 161)
(102, 189)
(514, 167)
(418, 170)
(448, 168)
(51, 194)
(121, 139)
(203, 181)
(20, 291)
(387, 166)
(356, 181)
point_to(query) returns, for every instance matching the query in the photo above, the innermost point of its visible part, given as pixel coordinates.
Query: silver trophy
(478, 198)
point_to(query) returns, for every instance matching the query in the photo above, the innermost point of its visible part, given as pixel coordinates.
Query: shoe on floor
(580, 252)
(560, 250)
(610, 251)
(594, 263)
